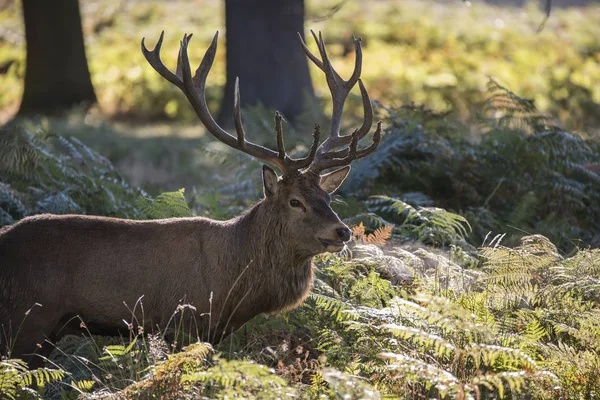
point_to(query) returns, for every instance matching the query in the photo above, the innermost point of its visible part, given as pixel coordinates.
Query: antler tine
(346, 156)
(313, 149)
(279, 133)
(333, 78)
(153, 58)
(374, 144)
(357, 63)
(194, 89)
(339, 89)
(367, 111)
(293, 166)
(237, 115)
(327, 156)
(309, 54)
(179, 68)
(308, 160)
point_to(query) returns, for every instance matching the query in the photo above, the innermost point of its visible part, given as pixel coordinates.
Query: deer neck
(269, 240)
(281, 276)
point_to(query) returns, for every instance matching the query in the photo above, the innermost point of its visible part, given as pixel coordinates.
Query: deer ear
(332, 181)
(269, 181)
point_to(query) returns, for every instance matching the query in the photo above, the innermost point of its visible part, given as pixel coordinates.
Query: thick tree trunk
(56, 76)
(264, 52)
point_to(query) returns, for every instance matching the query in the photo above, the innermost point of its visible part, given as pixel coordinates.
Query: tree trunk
(56, 76)
(264, 52)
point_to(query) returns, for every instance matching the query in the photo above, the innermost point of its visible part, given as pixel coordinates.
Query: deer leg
(30, 346)
(27, 338)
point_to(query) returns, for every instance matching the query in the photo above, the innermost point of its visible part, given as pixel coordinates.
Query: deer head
(301, 195)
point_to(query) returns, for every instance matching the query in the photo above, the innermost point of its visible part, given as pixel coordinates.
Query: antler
(326, 156)
(194, 89)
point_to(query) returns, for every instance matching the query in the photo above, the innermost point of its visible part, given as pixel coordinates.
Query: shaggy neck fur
(271, 275)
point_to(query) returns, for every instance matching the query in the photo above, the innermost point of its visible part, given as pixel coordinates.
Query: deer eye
(297, 204)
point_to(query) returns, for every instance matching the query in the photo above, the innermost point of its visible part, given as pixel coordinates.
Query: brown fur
(88, 266)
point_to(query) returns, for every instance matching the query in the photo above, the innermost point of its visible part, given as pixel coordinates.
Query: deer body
(230, 271)
(88, 266)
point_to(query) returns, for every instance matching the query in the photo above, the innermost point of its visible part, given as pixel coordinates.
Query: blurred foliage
(433, 53)
(524, 174)
(41, 172)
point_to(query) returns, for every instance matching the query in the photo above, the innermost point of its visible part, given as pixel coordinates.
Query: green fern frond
(335, 308)
(506, 109)
(424, 340)
(165, 205)
(49, 173)
(427, 224)
(16, 378)
(412, 369)
(499, 357)
(238, 379)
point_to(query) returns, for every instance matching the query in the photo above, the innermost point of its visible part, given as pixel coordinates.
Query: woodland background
(475, 267)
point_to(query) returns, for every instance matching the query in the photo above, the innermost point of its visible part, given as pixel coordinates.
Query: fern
(439, 345)
(379, 237)
(16, 378)
(165, 205)
(411, 369)
(333, 384)
(40, 172)
(372, 291)
(430, 225)
(525, 174)
(506, 109)
(245, 379)
(468, 358)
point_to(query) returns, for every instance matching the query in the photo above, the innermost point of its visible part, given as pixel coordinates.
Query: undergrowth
(423, 304)
(41, 172)
(525, 174)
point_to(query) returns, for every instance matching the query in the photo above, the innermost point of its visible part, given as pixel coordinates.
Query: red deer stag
(231, 271)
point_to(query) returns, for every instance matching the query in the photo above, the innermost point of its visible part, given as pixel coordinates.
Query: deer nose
(344, 233)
